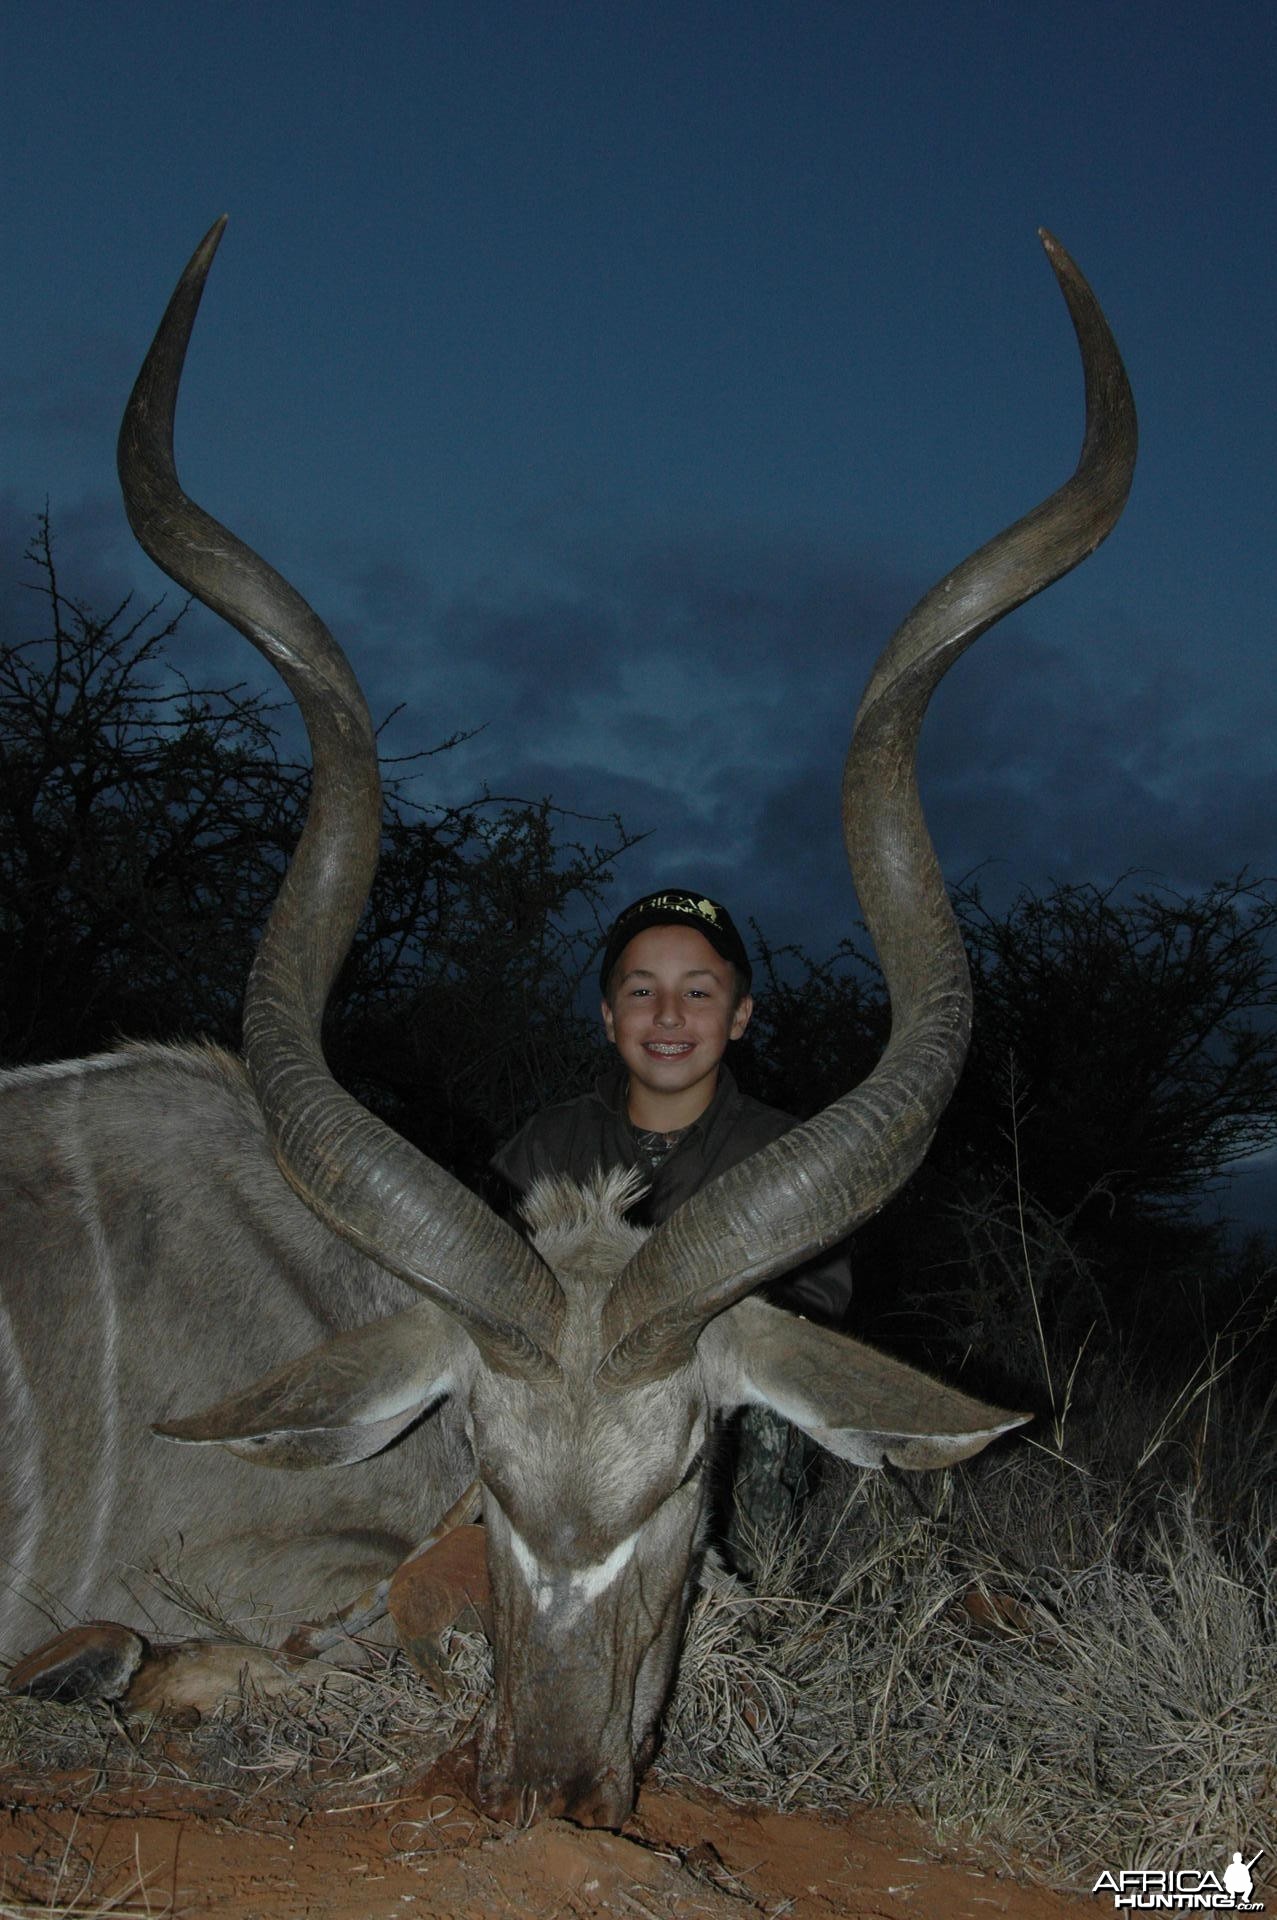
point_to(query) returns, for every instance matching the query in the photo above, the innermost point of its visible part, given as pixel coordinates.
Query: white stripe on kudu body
(105, 1486)
(21, 1478)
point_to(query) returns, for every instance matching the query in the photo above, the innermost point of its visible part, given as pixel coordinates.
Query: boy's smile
(672, 1011)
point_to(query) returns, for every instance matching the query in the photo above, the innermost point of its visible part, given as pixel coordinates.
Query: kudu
(174, 1223)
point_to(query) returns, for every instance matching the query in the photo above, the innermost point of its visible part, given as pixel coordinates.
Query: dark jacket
(594, 1130)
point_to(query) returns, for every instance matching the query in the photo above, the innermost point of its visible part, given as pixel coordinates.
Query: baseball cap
(678, 907)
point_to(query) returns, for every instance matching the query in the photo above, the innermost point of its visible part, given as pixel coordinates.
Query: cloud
(702, 684)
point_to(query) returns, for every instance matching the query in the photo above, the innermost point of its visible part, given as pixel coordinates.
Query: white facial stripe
(576, 1589)
(527, 1561)
(590, 1582)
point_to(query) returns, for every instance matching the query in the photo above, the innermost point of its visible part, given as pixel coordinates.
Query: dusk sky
(615, 377)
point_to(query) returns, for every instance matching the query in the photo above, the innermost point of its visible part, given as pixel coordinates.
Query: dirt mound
(168, 1851)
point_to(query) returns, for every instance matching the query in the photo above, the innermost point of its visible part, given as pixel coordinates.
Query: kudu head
(594, 1363)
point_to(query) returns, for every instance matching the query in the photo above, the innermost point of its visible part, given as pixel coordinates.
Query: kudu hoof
(95, 1661)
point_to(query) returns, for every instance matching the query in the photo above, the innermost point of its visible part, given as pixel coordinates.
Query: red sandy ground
(165, 1852)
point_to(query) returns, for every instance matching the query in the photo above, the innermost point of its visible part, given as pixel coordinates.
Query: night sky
(615, 377)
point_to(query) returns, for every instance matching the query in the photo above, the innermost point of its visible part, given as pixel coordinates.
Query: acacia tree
(144, 826)
(1131, 1040)
(458, 1012)
(1124, 1052)
(1124, 1058)
(819, 1026)
(143, 822)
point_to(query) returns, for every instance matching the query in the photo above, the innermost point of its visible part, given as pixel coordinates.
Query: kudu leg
(393, 1595)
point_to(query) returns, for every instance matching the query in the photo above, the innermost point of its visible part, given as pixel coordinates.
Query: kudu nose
(608, 1803)
(601, 1800)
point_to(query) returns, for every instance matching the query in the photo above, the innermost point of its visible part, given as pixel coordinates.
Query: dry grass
(1075, 1667)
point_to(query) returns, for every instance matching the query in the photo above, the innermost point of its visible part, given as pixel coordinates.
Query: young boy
(676, 989)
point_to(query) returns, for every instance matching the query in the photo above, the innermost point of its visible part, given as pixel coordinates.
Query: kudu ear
(860, 1404)
(343, 1400)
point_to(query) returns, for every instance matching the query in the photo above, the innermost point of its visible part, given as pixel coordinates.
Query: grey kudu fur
(579, 1377)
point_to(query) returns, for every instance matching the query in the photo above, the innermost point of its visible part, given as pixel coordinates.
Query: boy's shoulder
(570, 1137)
(738, 1125)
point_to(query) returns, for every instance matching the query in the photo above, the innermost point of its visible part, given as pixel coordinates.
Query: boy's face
(673, 1008)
